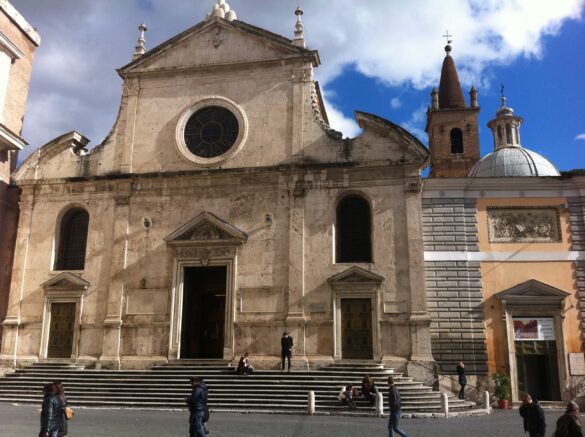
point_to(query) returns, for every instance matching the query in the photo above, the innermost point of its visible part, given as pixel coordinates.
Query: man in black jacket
(394, 405)
(531, 412)
(197, 407)
(51, 413)
(286, 345)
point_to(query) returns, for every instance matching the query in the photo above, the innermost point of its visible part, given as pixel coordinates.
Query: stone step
(167, 386)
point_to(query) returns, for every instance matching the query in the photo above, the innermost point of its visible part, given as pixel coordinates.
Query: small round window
(211, 131)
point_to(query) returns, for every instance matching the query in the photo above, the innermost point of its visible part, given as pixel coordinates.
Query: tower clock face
(211, 132)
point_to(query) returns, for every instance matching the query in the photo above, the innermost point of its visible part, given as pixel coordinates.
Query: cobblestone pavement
(16, 421)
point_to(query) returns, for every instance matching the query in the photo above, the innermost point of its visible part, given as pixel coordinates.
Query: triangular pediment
(355, 275)
(207, 229)
(532, 293)
(65, 281)
(216, 42)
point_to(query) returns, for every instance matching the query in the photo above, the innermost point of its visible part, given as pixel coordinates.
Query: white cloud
(580, 137)
(395, 103)
(393, 41)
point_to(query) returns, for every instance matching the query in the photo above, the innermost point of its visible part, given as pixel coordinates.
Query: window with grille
(354, 227)
(73, 240)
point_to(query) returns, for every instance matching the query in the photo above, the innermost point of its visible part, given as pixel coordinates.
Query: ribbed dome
(512, 161)
(450, 93)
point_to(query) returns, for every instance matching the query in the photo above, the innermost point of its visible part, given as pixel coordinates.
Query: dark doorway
(202, 330)
(61, 330)
(538, 372)
(356, 329)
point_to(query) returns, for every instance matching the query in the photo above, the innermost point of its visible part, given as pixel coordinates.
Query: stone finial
(222, 10)
(435, 98)
(139, 49)
(473, 97)
(299, 29)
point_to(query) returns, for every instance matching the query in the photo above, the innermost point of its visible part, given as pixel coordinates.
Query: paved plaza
(19, 420)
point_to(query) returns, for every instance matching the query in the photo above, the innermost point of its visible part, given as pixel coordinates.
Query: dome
(512, 161)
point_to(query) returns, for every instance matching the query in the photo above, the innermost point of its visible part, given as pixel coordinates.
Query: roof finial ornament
(139, 49)
(222, 10)
(448, 37)
(299, 29)
(503, 98)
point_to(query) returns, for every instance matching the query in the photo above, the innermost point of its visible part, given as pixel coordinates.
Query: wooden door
(356, 329)
(61, 330)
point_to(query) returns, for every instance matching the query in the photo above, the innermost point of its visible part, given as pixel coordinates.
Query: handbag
(69, 413)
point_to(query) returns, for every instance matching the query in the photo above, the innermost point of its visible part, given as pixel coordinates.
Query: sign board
(534, 329)
(577, 364)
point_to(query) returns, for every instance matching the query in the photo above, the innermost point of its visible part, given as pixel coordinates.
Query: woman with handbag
(66, 411)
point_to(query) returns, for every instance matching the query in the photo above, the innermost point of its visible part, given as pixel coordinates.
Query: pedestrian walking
(64, 419)
(395, 407)
(533, 416)
(569, 424)
(198, 407)
(462, 379)
(51, 412)
(286, 345)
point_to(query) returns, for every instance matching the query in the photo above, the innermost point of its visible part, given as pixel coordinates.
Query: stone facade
(265, 212)
(18, 42)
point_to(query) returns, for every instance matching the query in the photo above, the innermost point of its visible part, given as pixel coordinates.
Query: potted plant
(503, 390)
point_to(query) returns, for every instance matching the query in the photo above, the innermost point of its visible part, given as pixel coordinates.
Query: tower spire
(139, 50)
(299, 29)
(450, 93)
(506, 126)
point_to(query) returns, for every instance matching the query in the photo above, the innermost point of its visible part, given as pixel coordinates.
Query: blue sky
(379, 56)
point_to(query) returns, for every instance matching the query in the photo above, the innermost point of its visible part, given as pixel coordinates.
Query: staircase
(167, 386)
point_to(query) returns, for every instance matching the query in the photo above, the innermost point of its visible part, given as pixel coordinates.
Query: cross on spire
(448, 37)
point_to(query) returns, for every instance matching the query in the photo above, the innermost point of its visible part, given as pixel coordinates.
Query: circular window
(211, 131)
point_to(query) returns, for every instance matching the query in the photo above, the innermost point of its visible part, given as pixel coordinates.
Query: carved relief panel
(523, 225)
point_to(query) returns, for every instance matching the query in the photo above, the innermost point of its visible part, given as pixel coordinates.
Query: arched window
(500, 135)
(456, 141)
(509, 134)
(72, 240)
(354, 228)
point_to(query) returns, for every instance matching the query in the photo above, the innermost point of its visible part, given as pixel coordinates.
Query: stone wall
(454, 285)
(577, 222)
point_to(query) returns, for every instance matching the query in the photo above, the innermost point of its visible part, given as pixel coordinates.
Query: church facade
(221, 211)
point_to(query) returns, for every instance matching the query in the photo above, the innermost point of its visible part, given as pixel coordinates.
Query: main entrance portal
(61, 330)
(356, 331)
(204, 296)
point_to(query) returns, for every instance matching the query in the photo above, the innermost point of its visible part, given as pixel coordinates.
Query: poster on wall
(534, 329)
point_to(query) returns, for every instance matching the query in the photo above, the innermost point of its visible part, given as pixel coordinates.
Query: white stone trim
(203, 102)
(10, 48)
(9, 140)
(504, 256)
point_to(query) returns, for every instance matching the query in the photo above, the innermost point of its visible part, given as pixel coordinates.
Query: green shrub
(503, 390)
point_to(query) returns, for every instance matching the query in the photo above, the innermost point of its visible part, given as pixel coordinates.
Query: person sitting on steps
(346, 396)
(244, 367)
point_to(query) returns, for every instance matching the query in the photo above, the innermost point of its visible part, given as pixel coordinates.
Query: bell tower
(452, 125)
